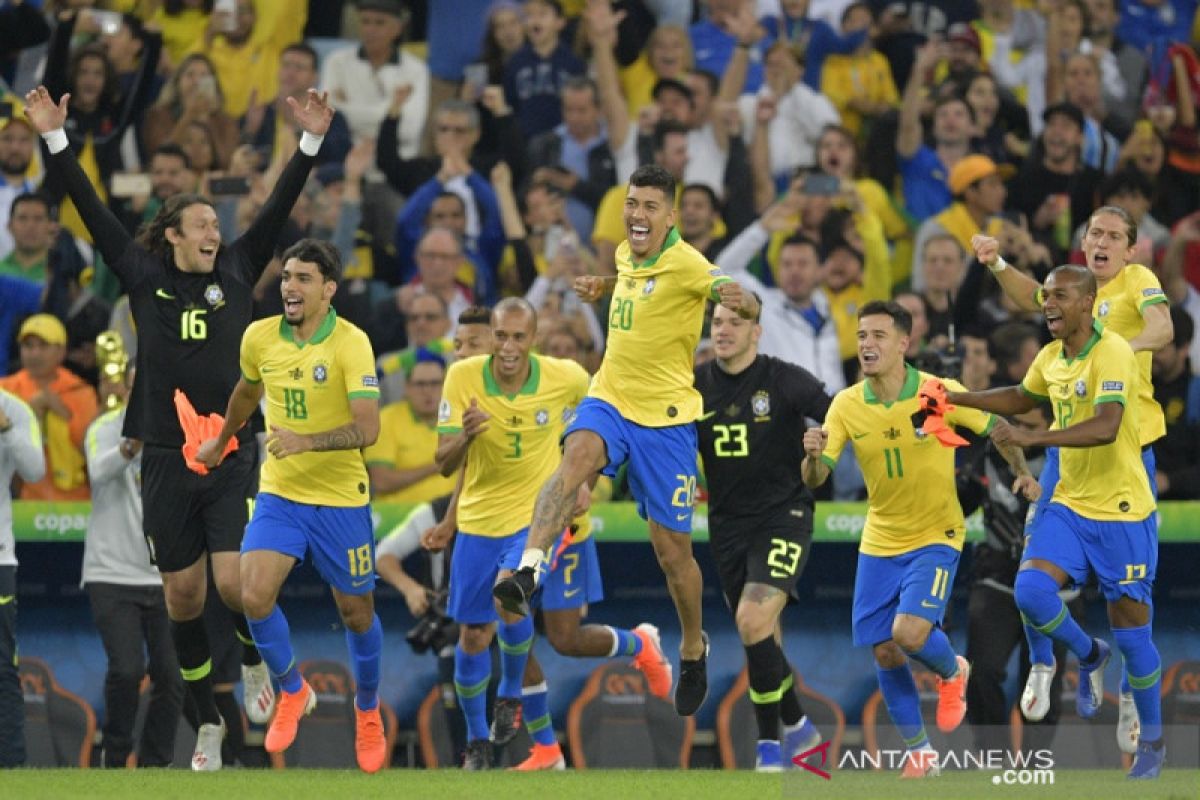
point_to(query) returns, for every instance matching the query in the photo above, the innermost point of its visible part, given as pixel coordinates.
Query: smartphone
(475, 77)
(109, 22)
(820, 184)
(229, 186)
(226, 12)
(129, 184)
(208, 85)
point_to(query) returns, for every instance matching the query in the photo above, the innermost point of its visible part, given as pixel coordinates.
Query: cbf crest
(542, 416)
(761, 404)
(649, 287)
(1080, 389)
(214, 295)
(320, 372)
(1102, 311)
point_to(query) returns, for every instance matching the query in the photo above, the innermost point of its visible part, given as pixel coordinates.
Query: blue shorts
(916, 583)
(662, 461)
(340, 539)
(1124, 555)
(1048, 479)
(474, 565)
(575, 580)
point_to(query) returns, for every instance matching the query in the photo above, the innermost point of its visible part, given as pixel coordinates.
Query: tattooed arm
(355, 435)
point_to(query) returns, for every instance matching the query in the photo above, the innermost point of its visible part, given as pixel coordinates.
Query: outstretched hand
(315, 115)
(42, 111)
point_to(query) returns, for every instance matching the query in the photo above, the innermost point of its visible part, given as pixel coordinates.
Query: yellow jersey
(912, 500)
(1119, 306)
(654, 325)
(507, 464)
(308, 388)
(405, 442)
(1107, 482)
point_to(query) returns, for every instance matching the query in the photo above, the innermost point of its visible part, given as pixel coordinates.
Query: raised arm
(910, 134)
(1019, 287)
(813, 469)
(602, 25)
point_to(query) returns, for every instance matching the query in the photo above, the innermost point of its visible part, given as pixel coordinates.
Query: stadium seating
(326, 737)
(59, 725)
(737, 731)
(616, 722)
(437, 743)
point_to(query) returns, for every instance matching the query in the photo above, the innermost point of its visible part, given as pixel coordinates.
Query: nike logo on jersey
(858, 436)
(927, 604)
(681, 517)
(572, 593)
(357, 584)
(163, 294)
(707, 416)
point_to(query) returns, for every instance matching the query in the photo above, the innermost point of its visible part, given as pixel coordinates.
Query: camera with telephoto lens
(945, 363)
(434, 630)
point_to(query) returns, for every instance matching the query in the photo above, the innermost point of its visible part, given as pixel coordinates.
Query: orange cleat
(651, 661)
(542, 756)
(288, 711)
(370, 745)
(921, 763)
(952, 698)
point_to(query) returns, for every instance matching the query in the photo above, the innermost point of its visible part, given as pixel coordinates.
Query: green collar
(912, 380)
(1097, 329)
(672, 238)
(326, 328)
(531, 383)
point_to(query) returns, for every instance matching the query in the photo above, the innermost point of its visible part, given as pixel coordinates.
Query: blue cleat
(768, 758)
(1091, 683)
(1149, 761)
(800, 740)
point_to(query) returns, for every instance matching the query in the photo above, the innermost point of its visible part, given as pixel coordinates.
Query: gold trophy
(111, 361)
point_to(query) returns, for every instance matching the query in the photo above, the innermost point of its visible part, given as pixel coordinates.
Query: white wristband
(56, 140)
(999, 266)
(310, 143)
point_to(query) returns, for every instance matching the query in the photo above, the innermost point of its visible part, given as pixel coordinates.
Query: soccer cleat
(651, 661)
(768, 757)
(370, 745)
(542, 756)
(921, 763)
(290, 708)
(693, 682)
(207, 756)
(478, 756)
(506, 719)
(1129, 727)
(1035, 700)
(514, 591)
(1149, 761)
(1090, 694)
(801, 739)
(952, 697)
(258, 696)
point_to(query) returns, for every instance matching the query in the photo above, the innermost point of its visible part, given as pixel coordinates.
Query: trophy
(111, 360)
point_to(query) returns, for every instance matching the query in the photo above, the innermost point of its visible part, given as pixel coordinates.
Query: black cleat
(692, 688)
(514, 592)
(479, 755)
(506, 719)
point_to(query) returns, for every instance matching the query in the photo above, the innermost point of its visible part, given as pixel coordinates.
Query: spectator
(534, 237)
(1131, 62)
(297, 74)
(714, 44)
(979, 195)
(1082, 89)
(18, 143)
(563, 340)
(193, 94)
(1132, 191)
(813, 40)
(942, 269)
(504, 36)
(1153, 26)
(918, 340)
(401, 463)
(859, 83)
(170, 174)
(1014, 346)
(1178, 392)
(31, 227)
(62, 403)
(850, 285)
(534, 75)
(362, 80)
(126, 50)
(668, 54)
(700, 220)
(997, 137)
(1013, 42)
(439, 252)
(1066, 37)
(245, 58)
(183, 23)
(453, 32)
(427, 328)
(903, 25)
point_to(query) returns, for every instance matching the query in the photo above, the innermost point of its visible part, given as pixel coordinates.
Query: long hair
(170, 96)
(153, 234)
(108, 93)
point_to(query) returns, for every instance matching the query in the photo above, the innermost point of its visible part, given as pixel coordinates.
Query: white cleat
(258, 696)
(1129, 727)
(207, 757)
(1035, 700)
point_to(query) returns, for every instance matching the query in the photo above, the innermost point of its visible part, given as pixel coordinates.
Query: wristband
(310, 143)
(999, 266)
(56, 140)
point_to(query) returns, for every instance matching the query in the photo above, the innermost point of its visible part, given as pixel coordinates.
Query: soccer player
(500, 415)
(1101, 517)
(317, 373)
(640, 410)
(1131, 302)
(191, 298)
(914, 531)
(760, 512)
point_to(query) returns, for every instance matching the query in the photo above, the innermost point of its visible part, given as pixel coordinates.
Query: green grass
(603, 784)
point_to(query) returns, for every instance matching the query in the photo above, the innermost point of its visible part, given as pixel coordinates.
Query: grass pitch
(391, 784)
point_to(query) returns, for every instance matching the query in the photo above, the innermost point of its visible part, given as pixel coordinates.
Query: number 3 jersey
(912, 497)
(751, 439)
(308, 387)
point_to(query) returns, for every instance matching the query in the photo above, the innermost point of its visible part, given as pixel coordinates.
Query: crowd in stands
(828, 153)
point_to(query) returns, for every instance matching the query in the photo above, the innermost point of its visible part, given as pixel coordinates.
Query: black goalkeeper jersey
(751, 437)
(189, 325)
